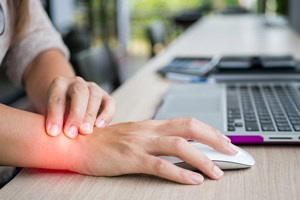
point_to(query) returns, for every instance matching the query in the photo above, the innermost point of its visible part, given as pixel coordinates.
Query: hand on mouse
(131, 148)
(76, 106)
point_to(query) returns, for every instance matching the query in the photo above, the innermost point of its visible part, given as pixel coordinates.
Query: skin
(70, 103)
(125, 148)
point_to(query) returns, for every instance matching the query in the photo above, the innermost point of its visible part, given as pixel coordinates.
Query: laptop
(247, 112)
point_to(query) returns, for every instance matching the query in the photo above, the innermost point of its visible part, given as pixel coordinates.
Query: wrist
(85, 151)
(62, 153)
(26, 144)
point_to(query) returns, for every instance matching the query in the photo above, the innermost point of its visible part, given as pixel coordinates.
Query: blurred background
(110, 40)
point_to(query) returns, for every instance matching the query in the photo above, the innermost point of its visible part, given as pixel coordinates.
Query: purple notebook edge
(242, 139)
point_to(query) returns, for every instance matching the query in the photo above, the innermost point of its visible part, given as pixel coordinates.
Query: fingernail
(233, 148)
(54, 130)
(197, 179)
(226, 138)
(86, 127)
(100, 124)
(72, 132)
(218, 172)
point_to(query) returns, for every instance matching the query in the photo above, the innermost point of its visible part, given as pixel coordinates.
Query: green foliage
(144, 12)
(164, 4)
(231, 2)
(282, 7)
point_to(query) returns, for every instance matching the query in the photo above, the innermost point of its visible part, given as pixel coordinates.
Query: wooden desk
(276, 174)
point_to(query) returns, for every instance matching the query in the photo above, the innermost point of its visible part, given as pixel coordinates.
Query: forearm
(115, 150)
(24, 143)
(40, 74)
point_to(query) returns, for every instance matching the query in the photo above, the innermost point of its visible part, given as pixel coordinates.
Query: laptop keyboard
(266, 108)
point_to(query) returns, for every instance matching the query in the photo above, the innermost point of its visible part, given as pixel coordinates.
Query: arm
(112, 151)
(39, 60)
(24, 143)
(56, 92)
(40, 74)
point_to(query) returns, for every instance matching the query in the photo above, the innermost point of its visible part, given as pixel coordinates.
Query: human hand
(76, 106)
(132, 148)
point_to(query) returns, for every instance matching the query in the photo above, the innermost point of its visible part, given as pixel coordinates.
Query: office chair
(235, 10)
(77, 40)
(8, 92)
(187, 17)
(100, 66)
(157, 35)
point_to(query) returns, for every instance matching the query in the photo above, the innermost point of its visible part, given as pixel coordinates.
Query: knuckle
(159, 166)
(221, 141)
(191, 123)
(178, 144)
(131, 141)
(94, 85)
(56, 100)
(215, 131)
(218, 136)
(95, 94)
(181, 175)
(79, 89)
(59, 80)
(78, 79)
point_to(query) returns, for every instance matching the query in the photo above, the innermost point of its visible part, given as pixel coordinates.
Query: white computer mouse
(239, 161)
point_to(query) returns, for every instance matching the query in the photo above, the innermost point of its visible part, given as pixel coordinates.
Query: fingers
(159, 167)
(179, 147)
(107, 112)
(56, 107)
(75, 104)
(94, 103)
(190, 128)
(79, 95)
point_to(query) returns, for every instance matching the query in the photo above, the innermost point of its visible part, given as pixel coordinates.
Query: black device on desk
(236, 68)
(234, 64)
(248, 68)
